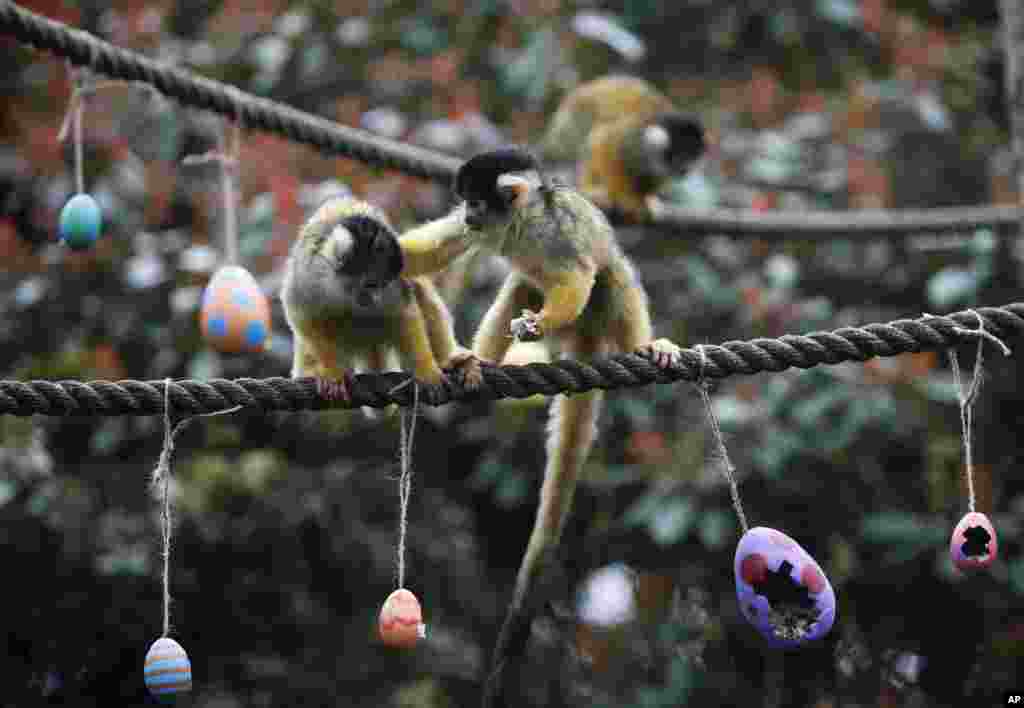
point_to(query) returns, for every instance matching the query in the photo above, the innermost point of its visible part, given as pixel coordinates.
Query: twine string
(969, 397)
(226, 156)
(728, 468)
(408, 428)
(162, 479)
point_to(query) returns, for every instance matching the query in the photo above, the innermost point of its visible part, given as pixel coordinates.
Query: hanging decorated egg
(401, 620)
(973, 544)
(80, 222)
(782, 591)
(168, 673)
(235, 314)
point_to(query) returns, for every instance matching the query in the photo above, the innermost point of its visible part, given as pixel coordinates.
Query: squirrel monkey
(564, 255)
(629, 138)
(344, 301)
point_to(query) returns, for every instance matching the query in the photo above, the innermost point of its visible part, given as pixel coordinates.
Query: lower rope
(107, 398)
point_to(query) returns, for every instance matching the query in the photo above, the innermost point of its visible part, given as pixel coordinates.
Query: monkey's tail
(572, 429)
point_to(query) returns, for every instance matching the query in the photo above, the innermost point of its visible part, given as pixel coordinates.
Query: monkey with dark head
(628, 138)
(346, 303)
(564, 256)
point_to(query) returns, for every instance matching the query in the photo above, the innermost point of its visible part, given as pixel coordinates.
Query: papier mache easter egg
(782, 591)
(401, 620)
(235, 314)
(167, 673)
(973, 545)
(80, 222)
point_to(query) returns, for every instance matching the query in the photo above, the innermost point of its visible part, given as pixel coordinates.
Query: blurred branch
(1013, 43)
(254, 112)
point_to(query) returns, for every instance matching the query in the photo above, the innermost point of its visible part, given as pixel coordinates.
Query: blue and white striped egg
(235, 314)
(168, 672)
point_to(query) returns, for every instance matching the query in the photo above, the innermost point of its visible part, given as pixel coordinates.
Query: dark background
(285, 525)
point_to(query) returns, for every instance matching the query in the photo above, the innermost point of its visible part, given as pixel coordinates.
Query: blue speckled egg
(782, 591)
(235, 314)
(168, 673)
(80, 222)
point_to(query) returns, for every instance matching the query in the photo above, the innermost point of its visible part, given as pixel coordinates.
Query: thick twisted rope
(188, 397)
(254, 112)
(190, 89)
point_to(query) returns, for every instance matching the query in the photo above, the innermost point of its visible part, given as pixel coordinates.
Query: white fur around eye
(343, 241)
(517, 182)
(522, 183)
(657, 137)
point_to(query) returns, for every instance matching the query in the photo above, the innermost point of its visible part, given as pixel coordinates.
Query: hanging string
(80, 86)
(162, 479)
(727, 467)
(227, 158)
(968, 398)
(83, 85)
(408, 427)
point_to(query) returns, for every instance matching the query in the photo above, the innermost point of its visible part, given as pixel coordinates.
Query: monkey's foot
(465, 365)
(527, 327)
(335, 390)
(663, 353)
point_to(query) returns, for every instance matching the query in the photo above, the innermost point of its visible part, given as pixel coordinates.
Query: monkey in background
(629, 140)
(564, 256)
(346, 304)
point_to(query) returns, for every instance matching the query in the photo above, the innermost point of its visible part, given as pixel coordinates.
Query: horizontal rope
(871, 223)
(190, 89)
(188, 397)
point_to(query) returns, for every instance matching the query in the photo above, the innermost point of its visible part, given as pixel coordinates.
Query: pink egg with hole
(235, 314)
(782, 591)
(973, 545)
(401, 620)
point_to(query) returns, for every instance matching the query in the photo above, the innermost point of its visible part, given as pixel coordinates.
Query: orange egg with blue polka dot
(235, 314)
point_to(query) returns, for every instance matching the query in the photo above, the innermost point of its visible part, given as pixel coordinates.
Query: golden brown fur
(333, 329)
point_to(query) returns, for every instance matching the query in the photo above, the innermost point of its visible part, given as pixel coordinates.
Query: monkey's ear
(513, 189)
(343, 243)
(657, 137)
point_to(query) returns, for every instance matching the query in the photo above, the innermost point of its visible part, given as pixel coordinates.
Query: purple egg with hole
(782, 590)
(973, 545)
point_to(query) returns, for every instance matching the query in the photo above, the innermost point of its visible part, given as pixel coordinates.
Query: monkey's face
(367, 260)
(674, 142)
(494, 184)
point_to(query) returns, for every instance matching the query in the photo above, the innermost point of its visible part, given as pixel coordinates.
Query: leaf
(487, 474)
(950, 286)
(8, 489)
(642, 510)
(671, 522)
(1016, 571)
(715, 529)
(512, 490)
(637, 411)
(809, 412)
(899, 528)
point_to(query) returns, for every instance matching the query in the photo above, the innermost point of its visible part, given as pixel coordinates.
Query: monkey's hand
(527, 328)
(465, 366)
(663, 353)
(335, 389)
(656, 207)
